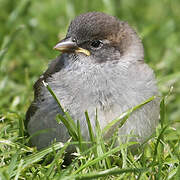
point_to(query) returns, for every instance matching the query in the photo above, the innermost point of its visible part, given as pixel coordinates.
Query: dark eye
(96, 44)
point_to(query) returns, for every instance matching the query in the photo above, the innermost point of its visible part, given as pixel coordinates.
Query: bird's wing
(55, 66)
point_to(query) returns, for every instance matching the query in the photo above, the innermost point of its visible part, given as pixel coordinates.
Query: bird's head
(101, 37)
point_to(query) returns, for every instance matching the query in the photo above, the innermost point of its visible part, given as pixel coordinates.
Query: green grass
(29, 30)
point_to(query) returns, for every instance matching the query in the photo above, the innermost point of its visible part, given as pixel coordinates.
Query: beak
(68, 46)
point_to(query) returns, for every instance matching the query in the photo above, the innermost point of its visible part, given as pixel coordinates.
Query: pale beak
(68, 46)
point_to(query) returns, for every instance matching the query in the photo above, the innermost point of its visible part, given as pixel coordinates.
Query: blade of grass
(57, 156)
(101, 149)
(39, 155)
(71, 121)
(54, 96)
(91, 133)
(124, 116)
(70, 129)
(177, 175)
(20, 167)
(79, 137)
(15, 145)
(110, 172)
(157, 144)
(13, 163)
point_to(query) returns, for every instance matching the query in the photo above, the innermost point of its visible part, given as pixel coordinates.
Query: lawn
(28, 31)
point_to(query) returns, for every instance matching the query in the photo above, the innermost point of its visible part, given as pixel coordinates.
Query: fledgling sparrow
(101, 67)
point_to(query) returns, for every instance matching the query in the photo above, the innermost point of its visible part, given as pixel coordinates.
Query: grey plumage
(112, 79)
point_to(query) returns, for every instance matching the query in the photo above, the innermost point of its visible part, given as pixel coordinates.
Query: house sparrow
(101, 67)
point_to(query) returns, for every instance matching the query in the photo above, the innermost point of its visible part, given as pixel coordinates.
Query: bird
(101, 69)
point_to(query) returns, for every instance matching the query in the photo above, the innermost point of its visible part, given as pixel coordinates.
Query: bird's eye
(73, 39)
(96, 44)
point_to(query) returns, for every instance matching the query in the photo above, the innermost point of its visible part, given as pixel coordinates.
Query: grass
(29, 30)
